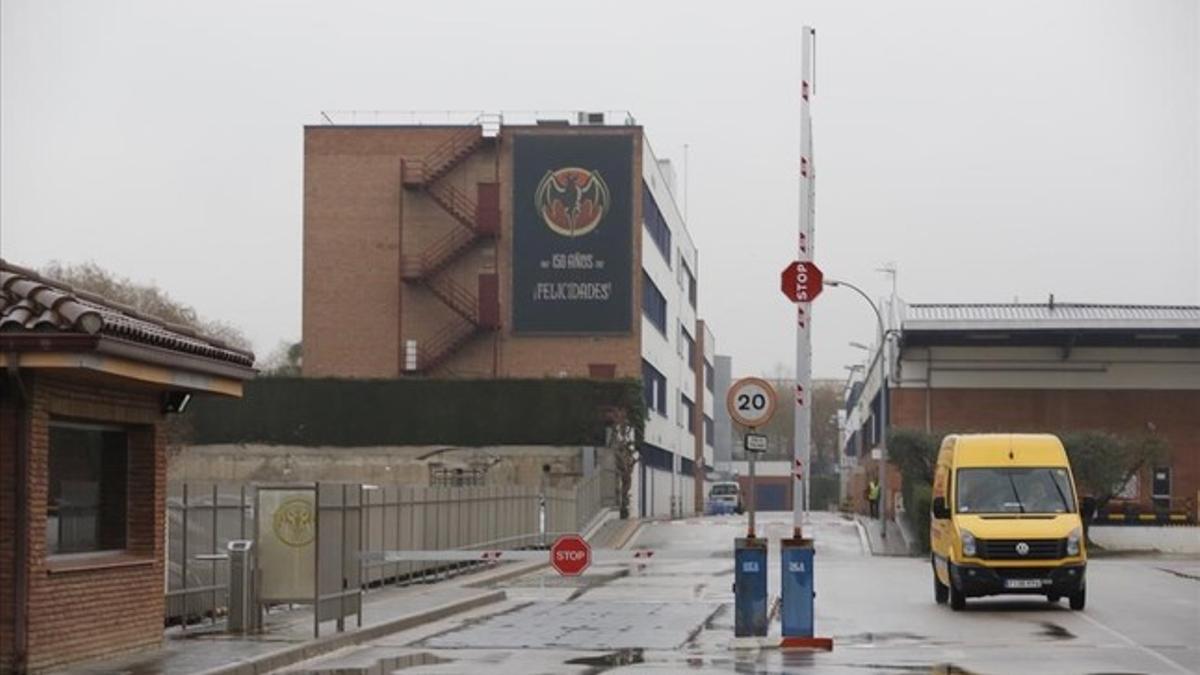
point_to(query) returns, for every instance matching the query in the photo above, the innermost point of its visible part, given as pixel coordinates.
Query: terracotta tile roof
(32, 303)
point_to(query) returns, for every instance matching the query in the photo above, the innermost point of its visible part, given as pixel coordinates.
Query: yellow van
(1005, 519)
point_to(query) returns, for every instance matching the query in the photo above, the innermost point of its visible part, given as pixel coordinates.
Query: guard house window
(691, 282)
(88, 477)
(654, 388)
(708, 376)
(708, 431)
(655, 224)
(690, 347)
(685, 412)
(654, 305)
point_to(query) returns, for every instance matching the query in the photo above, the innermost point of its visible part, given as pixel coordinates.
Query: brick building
(511, 245)
(84, 393)
(1126, 369)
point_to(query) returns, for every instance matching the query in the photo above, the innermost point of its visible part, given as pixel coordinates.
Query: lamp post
(883, 402)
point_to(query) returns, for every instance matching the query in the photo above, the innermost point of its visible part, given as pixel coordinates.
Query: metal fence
(202, 518)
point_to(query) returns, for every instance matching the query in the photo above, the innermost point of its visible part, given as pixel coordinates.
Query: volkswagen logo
(1022, 548)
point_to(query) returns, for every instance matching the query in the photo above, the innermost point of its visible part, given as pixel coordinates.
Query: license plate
(1022, 583)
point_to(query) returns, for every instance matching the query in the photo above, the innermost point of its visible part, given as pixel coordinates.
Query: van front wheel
(940, 592)
(958, 601)
(1078, 599)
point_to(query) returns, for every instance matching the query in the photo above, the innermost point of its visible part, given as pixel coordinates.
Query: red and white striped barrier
(640, 555)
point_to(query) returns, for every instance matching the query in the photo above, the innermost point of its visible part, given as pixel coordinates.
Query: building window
(687, 347)
(654, 388)
(708, 431)
(708, 376)
(88, 477)
(655, 224)
(691, 282)
(654, 305)
(685, 411)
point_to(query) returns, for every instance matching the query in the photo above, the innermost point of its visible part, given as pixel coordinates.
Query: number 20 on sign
(751, 401)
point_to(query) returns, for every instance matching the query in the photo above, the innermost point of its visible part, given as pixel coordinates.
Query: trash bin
(243, 605)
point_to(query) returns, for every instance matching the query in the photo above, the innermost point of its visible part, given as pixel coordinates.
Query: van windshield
(1014, 490)
(724, 489)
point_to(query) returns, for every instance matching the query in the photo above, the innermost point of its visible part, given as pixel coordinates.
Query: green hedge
(826, 490)
(345, 412)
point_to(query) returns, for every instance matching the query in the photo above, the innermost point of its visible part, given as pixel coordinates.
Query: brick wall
(1173, 414)
(8, 428)
(359, 220)
(91, 606)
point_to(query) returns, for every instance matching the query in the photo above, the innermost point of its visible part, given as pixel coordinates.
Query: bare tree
(146, 298)
(283, 361)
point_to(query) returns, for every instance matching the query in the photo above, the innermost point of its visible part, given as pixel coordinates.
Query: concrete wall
(723, 445)
(1184, 540)
(509, 465)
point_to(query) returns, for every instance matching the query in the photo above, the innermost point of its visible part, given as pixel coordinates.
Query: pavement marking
(863, 544)
(1133, 643)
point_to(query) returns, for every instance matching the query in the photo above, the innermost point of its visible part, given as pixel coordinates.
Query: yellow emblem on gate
(294, 522)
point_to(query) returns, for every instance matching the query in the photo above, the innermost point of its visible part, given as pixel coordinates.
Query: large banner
(572, 233)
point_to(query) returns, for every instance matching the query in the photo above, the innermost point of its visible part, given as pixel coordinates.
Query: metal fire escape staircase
(475, 222)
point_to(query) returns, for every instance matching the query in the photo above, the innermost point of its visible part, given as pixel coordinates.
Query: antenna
(686, 174)
(889, 268)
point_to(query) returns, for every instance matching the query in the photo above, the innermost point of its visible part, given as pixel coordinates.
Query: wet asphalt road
(1143, 616)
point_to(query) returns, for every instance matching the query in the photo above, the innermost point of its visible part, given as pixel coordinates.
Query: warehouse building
(511, 246)
(1052, 367)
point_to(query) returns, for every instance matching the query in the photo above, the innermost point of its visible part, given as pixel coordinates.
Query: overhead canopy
(1030, 324)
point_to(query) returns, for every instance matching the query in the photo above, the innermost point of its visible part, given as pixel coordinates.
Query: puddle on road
(936, 669)
(880, 638)
(602, 662)
(596, 581)
(381, 667)
(1056, 632)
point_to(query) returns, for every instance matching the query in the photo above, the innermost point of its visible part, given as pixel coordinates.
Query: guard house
(86, 387)
(1052, 367)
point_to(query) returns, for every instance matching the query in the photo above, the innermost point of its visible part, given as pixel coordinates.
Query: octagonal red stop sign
(570, 555)
(801, 281)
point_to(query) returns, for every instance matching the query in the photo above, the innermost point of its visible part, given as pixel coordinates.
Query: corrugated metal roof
(1033, 316)
(32, 303)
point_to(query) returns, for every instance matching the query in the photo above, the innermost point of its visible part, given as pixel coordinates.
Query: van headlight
(1073, 542)
(968, 543)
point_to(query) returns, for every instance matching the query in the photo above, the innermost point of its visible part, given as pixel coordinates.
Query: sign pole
(753, 492)
(751, 403)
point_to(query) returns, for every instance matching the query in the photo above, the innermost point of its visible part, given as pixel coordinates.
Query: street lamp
(883, 402)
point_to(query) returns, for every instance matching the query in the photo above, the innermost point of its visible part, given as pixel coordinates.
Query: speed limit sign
(751, 401)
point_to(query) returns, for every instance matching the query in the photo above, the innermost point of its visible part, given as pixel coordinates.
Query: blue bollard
(750, 587)
(797, 588)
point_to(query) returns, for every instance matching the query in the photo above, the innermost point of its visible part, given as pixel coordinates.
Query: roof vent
(1051, 303)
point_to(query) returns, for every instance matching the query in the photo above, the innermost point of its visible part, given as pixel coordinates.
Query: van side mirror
(1087, 509)
(940, 511)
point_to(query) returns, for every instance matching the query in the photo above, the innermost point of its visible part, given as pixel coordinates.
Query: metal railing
(204, 517)
(476, 117)
(454, 296)
(455, 202)
(438, 254)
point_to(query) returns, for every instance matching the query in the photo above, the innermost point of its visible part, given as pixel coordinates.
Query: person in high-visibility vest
(873, 497)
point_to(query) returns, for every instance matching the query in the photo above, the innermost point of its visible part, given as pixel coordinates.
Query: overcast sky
(991, 150)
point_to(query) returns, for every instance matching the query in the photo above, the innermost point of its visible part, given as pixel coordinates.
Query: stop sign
(570, 555)
(802, 281)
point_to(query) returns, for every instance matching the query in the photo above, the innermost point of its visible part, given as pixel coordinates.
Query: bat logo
(572, 201)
